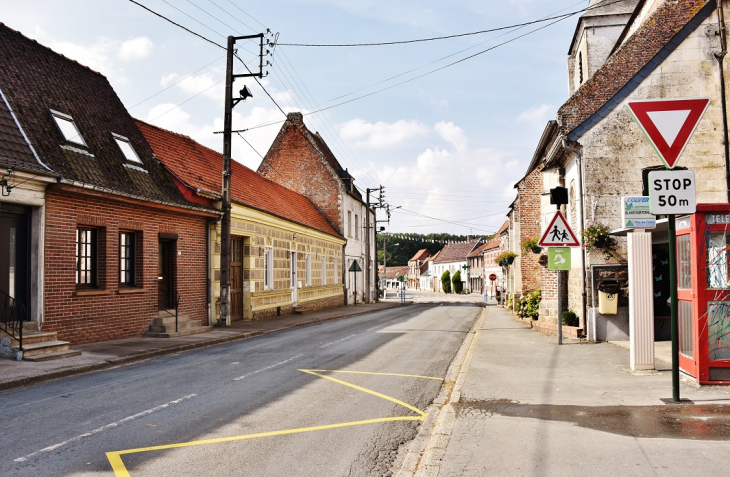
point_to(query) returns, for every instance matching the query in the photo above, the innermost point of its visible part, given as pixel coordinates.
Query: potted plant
(505, 258)
(595, 236)
(530, 245)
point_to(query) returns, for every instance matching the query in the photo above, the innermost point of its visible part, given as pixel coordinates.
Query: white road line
(376, 327)
(333, 342)
(104, 428)
(267, 368)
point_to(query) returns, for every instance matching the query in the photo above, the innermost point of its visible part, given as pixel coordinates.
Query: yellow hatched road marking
(374, 374)
(115, 458)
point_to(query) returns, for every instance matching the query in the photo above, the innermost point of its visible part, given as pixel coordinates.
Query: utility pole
(368, 226)
(225, 284)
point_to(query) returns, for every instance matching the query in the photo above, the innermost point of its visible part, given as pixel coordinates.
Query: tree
(456, 280)
(446, 281)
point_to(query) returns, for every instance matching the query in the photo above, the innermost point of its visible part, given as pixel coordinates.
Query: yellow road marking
(365, 390)
(115, 458)
(375, 374)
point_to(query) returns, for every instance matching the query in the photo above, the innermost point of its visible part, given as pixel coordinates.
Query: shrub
(529, 305)
(510, 302)
(446, 281)
(456, 280)
(570, 318)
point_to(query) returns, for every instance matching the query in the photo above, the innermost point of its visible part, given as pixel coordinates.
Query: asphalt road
(336, 398)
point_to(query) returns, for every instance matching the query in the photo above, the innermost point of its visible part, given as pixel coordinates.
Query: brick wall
(529, 192)
(294, 163)
(109, 314)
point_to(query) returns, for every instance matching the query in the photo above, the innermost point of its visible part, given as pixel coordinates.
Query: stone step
(170, 320)
(53, 356)
(43, 347)
(171, 333)
(300, 311)
(35, 337)
(181, 326)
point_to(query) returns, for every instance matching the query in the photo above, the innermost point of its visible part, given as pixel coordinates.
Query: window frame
(308, 269)
(349, 223)
(119, 139)
(92, 257)
(335, 275)
(131, 259)
(357, 227)
(69, 120)
(268, 268)
(324, 270)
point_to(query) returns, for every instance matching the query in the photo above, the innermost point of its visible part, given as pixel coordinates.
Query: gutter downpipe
(720, 57)
(584, 258)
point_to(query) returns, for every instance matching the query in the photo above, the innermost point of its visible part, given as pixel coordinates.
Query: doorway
(294, 284)
(14, 254)
(236, 278)
(166, 273)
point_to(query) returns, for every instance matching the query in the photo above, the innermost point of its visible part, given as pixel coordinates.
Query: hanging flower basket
(596, 236)
(505, 258)
(530, 245)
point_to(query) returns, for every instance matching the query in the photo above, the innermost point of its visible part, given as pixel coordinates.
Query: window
(126, 258)
(349, 223)
(335, 275)
(68, 128)
(268, 268)
(126, 148)
(357, 227)
(308, 269)
(86, 257)
(324, 270)
(580, 67)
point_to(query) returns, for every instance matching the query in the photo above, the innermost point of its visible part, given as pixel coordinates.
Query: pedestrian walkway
(528, 406)
(108, 354)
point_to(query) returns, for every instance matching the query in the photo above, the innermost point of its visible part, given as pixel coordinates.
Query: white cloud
(536, 116)
(453, 134)
(381, 134)
(135, 49)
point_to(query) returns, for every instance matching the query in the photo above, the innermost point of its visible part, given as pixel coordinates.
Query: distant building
(416, 267)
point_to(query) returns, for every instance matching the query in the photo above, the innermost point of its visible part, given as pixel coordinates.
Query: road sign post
(668, 125)
(558, 237)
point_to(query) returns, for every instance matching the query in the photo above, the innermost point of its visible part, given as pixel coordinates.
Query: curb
(145, 356)
(426, 452)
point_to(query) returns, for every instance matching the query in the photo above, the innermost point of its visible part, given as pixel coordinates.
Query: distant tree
(456, 280)
(446, 281)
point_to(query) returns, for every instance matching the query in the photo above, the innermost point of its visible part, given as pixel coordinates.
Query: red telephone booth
(703, 283)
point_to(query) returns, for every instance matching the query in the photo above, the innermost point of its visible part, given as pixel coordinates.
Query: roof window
(126, 148)
(68, 128)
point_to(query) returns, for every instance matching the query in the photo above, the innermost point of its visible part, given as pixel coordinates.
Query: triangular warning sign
(558, 234)
(668, 123)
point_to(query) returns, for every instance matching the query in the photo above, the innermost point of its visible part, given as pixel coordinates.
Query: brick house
(284, 253)
(660, 49)
(301, 161)
(121, 242)
(416, 267)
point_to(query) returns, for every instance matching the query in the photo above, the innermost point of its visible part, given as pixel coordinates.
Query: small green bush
(529, 305)
(446, 281)
(456, 280)
(570, 318)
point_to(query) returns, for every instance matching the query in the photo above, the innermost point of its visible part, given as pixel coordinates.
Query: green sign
(355, 267)
(558, 258)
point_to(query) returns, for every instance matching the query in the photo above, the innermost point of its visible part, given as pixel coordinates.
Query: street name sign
(668, 123)
(558, 258)
(636, 213)
(558, 234)
(672, 192)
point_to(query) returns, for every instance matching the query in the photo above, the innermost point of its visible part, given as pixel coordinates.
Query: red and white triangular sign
(668, 123)
(558, 234)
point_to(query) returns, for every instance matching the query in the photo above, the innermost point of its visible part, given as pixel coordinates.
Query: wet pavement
(679, 421)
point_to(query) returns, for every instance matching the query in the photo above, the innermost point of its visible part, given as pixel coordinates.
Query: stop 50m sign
(672, 192)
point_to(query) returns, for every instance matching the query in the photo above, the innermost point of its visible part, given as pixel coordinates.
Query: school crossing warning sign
(558, 234)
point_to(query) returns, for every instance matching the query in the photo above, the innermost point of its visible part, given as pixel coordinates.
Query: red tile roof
(421, 255)
(504, 227)
(200, 167)
(456, 252)
(621, 67)
(395, 272)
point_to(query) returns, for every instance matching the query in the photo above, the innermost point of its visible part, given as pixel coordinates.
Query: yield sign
(558, 234)
(668, 123)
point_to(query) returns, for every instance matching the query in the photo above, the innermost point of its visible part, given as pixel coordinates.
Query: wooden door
(236, 278)
(164, 276)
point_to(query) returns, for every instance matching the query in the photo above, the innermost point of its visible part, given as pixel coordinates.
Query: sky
(447, 145)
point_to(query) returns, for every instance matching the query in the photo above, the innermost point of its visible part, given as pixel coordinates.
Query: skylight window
(68, 128)
(126, 148)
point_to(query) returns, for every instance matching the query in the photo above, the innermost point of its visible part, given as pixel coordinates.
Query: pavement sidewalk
(109, 354)
(523, 405)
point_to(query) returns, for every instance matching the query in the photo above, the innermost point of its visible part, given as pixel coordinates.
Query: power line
(178, 25)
